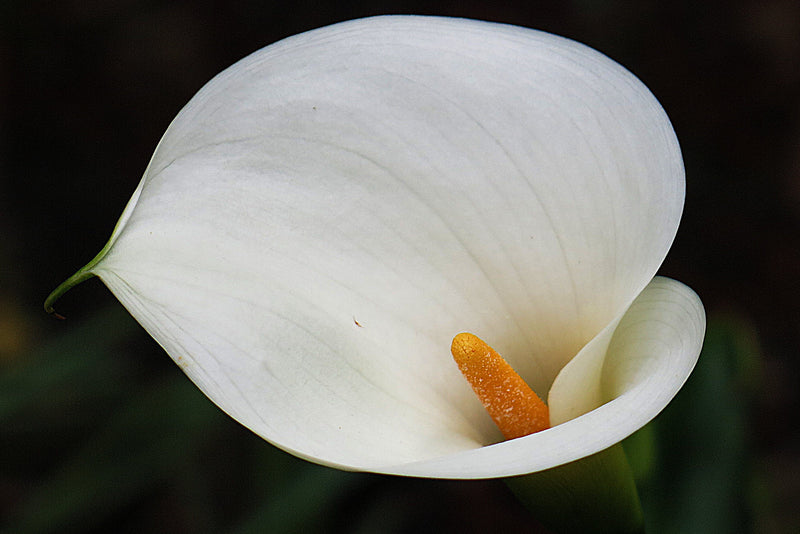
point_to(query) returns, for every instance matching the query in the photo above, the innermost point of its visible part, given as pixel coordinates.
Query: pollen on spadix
(514, 407)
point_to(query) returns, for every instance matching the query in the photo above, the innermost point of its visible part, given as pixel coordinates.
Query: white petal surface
(651, 354)
(324, 216)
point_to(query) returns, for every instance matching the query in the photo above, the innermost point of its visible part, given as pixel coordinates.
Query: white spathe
(325, 215)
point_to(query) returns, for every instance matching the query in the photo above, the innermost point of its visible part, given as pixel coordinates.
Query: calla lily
(325, 215)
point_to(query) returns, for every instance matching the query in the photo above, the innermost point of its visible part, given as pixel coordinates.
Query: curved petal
(322, 217)
(650, 356)
(578, 387)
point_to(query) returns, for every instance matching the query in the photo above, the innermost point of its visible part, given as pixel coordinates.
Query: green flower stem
(83, 274)
(593, 495)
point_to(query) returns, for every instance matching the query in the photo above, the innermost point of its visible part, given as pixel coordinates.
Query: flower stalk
(593, 495)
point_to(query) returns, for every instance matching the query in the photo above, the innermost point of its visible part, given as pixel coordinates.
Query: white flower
(325, 215)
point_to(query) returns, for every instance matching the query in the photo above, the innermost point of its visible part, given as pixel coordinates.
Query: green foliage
(593, 495)
(693, 461)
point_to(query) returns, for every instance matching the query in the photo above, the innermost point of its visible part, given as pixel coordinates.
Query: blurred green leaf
(146, 442)
(699, 479)
(71, 362)
(57, 394)
(300, 504)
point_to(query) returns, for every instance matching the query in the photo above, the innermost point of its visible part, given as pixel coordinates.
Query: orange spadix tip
(515, 408)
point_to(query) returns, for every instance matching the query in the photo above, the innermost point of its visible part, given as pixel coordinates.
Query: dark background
(100, 432)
